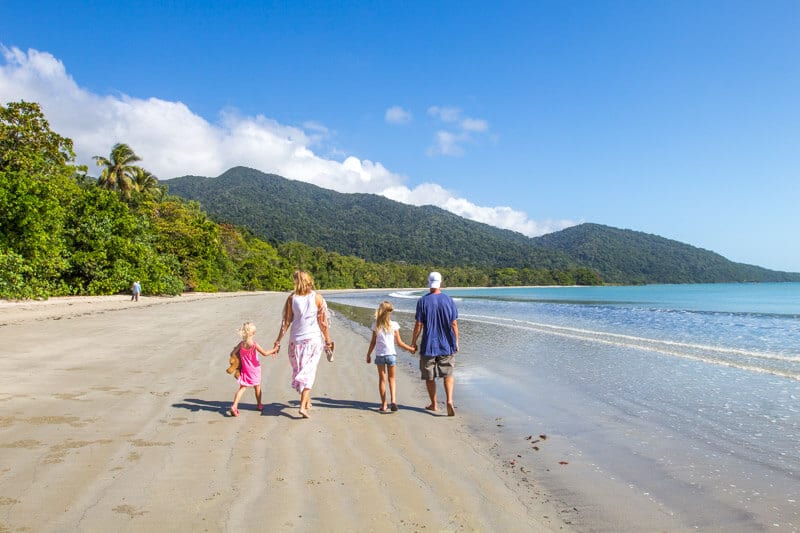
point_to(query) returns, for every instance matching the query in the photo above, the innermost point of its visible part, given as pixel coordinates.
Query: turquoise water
(624, 374)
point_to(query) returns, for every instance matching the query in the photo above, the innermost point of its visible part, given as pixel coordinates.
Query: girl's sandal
(234, 411)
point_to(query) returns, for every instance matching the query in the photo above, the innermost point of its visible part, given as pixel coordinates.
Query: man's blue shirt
(436, 312)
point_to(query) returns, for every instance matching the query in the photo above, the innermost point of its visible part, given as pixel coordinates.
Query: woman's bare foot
(383, 408)
(304, 413)
(431, 407)
(451, 411)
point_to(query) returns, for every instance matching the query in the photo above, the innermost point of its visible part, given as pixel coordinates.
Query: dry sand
(112, 418)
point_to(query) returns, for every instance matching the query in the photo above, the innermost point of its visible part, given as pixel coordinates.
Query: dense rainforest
(63, 232)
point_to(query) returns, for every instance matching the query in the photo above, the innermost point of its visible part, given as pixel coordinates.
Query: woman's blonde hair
(383, 315)
(303, 282)
(247, 331)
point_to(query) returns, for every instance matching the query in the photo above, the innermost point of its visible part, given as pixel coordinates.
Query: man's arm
(417, 331)
(454, 325)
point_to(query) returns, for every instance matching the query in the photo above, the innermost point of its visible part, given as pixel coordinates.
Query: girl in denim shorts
(385, 335)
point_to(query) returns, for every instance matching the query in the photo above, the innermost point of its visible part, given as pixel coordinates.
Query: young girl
(250, 370)
(385, 333)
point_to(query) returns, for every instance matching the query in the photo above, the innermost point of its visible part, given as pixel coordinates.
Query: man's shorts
(389, 360)
(440, 366)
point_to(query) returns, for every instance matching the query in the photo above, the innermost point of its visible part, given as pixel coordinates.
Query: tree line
(63, 232)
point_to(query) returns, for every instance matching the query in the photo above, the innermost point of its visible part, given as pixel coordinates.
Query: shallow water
(688, 396)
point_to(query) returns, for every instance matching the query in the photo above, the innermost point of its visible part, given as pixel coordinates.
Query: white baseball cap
(434, 280)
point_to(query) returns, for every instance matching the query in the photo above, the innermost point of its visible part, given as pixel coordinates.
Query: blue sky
(676, 118)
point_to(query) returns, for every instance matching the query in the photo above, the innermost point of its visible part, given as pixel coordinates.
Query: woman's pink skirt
(304, 356)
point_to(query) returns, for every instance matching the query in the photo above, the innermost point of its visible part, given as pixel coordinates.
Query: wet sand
(113, 417)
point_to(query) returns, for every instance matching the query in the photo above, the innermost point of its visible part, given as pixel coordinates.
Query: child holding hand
(385, 334)
(250, 375)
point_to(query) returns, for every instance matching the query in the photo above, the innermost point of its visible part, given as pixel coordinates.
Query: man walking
(437, 320)
(136, 290)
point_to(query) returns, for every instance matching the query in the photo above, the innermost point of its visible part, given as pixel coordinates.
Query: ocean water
(687, 397)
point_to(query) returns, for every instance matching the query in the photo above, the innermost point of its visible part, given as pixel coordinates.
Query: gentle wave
(413, 295)
(405, 294)
(696, 352)
(630, 304)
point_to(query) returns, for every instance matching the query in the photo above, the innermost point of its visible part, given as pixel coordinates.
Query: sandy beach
(113, 417)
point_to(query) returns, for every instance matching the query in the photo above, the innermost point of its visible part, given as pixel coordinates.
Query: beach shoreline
(112, 417)
(631, 442)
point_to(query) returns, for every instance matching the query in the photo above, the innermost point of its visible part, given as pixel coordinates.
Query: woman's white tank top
(304, 317)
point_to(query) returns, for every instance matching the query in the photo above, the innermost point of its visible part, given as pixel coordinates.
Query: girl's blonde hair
(382, 316)
(247, 331)
(303, 282)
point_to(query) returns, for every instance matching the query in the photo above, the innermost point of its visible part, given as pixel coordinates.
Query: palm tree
(145, 182)
(119, 172)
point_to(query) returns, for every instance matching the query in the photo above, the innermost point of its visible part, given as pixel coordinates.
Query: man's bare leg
(449, 382)
(431, 385)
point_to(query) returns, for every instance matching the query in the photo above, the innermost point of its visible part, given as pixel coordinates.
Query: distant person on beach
(306, 313)
(385, 334)
(136, 290)
(437, 320)
(250, 375)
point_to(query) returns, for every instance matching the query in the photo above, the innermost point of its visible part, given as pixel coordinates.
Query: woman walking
(306, 313)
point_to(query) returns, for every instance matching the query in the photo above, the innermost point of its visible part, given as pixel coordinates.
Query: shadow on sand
(288, 410)
(332, 403)
(223, 407)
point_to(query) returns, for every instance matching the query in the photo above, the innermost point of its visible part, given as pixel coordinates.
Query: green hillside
(626, 256)
(365, 225)
(377, 229)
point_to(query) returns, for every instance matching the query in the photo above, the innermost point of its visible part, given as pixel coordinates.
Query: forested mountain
(365, 225)
(626, 256)
(378, 229)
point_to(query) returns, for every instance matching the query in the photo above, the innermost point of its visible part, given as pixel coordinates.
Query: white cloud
(447, 143)
(397, 115)
(474, 124)
(501, 217)
(451, 142)
(174, 141)
(445, 114)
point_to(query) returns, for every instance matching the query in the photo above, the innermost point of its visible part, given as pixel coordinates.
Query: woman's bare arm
(286, 321)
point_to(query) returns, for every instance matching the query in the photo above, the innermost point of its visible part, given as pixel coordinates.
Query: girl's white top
(304, 319)
(384, 340)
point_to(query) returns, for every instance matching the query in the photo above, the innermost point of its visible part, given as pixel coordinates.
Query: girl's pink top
(251, 368)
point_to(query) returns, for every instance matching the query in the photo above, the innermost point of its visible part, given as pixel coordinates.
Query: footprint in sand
(128, 510)
(27, 443)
